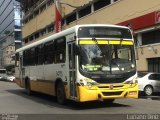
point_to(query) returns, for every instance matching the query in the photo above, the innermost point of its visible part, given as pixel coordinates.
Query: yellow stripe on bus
(116, 42)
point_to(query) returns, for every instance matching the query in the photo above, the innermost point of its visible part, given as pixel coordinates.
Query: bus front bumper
(95, 93)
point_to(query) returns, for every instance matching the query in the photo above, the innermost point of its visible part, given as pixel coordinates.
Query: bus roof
(63, 33)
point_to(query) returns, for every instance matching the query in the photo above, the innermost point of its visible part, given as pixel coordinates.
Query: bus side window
(60, 50)
(26, 58)
(40, 52)
(36, 55)
(32, 56)
(29, 57)
(49, 53)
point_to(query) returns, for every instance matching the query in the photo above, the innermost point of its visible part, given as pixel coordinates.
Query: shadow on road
(51, 101)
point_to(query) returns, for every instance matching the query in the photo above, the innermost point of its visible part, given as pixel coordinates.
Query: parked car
(3, 74)
(149, 83)
(11, 78)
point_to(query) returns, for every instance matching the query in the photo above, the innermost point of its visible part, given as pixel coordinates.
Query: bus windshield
(107, 58)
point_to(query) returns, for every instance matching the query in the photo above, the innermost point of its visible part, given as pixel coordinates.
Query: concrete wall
(120, 11)
(146, 52)
(48, 16)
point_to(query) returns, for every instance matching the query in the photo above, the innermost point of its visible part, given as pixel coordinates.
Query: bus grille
(117, 86)
(112, 93)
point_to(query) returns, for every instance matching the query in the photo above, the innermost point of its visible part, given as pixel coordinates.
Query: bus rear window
(104, 32)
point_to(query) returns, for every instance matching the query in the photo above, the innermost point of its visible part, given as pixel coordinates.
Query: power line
(6, 7)
(2, 3)
(7, 16)
(7, 26)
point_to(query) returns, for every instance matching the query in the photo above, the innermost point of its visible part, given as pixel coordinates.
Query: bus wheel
(27, 87)
(60, 92)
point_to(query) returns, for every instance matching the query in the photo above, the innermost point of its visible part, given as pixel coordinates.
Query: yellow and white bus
(82, 63)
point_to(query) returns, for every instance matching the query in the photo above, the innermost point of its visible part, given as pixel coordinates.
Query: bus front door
(72, 70)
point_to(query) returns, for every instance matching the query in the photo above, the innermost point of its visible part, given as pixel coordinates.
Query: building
(8, 53)
(10, 31)
(142, 16)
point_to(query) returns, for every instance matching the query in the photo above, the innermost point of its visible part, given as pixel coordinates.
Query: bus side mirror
(76, 49)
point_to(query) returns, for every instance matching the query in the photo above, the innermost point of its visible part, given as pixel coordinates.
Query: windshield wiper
(95, 40)
(106, 52)
(121, 40)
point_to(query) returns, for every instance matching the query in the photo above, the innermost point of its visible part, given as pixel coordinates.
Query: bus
(90, 62)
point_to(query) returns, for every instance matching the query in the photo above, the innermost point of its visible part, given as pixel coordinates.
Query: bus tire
(27, 86)
(60, 93)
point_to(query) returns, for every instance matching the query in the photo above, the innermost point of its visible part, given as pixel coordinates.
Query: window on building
(70, 18)
(26, 40)
(17, 27)
(17, 24)
(36, 35)
(151, 37)
(43, 31)
(50, 2)
(30, 17)
(100, 4)
(85, 11)
(18, 45)
(36, 12)
(31, 38)
(63, 21)
(42, 8)
(18, 35)
(154, 64)
(50, 28)
(25, 21)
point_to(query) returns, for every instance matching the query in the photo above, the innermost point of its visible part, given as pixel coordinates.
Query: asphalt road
(14, 101)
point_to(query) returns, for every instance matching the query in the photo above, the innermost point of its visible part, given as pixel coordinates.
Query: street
(14, 100)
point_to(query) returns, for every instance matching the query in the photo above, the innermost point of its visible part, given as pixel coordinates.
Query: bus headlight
(88, 82)
(131, 82)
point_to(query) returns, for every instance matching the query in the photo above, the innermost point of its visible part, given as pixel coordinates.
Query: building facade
(10, 31)
(142, 16)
